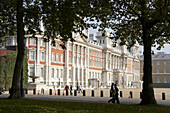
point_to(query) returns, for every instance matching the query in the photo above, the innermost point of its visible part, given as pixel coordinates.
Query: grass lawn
(43, 106)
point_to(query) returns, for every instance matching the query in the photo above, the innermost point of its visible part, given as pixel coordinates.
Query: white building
(89, 63)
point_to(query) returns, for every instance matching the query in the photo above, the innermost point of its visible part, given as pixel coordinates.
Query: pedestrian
(113, 93)
(116, 95)
(71, 90)
(78, 89)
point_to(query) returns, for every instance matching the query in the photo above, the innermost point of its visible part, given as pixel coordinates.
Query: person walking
(116, 94)
(113, 92)
(71, 90)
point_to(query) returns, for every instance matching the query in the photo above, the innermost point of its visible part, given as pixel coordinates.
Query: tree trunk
(16, 89)
(148, 92)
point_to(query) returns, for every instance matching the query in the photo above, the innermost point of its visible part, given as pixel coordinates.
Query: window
(165, 63)
(42, 56)
(89, 75)
(61, 57)
(70, 47)
(57, 57)
(158, 71)
(57, 73)
(70, 74)
(53, 57)
(31, 55)
(31, 71)
(70, 59)
(42, 42)
(165, 80)
(57, 45)
(52, 73)
(158, 80)
(158, 62)
(61, 73)
(32, 41)
(90, 62)
(164, 70)
(41, 72)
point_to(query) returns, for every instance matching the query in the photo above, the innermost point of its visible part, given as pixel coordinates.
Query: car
(1, 90)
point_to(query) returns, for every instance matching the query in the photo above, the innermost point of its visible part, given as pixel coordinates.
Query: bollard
(141, 94)
(163, 96)
(101, 93)
(26, 91)
(34, 91)
(75, 92)
(58, 91)
(121, 94)
(84, 93)
(66, 92)
(110, 93)
(131, 94)
(50, 92)
(92, 93)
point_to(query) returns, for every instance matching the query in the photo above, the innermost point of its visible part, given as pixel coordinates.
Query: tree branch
(131, 9)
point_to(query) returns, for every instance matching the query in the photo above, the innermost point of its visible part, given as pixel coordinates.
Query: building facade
(160, 69)
(89, 63)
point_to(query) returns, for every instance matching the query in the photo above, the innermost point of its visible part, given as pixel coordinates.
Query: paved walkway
(85, 99)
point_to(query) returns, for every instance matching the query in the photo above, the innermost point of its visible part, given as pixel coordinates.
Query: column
(117, 62)
(73, 66)
(38, 53)
(78, 74)
(106, 65)
(66, 72)
(87, 69)
(81, 65)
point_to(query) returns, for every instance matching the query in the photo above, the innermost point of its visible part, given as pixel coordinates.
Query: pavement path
(85, 99)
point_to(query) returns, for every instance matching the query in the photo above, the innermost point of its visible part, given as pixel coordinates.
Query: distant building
(90, 63)
(160, 69)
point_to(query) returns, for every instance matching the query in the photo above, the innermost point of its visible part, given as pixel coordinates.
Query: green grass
(42, 106)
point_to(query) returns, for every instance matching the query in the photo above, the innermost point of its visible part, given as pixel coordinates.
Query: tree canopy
(144, 21)
(60, 18)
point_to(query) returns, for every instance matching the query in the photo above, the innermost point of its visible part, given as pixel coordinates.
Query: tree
(60, 18)
(144, 21)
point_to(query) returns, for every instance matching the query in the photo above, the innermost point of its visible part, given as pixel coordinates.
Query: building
(89, 63)
(160, 69)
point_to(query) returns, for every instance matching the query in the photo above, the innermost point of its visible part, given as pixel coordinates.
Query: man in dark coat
(113, 93)
(116, 94)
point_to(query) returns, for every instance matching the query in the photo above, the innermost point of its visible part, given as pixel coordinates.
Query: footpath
(85, 99)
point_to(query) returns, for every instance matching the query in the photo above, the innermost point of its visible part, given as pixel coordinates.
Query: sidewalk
(85, 99)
